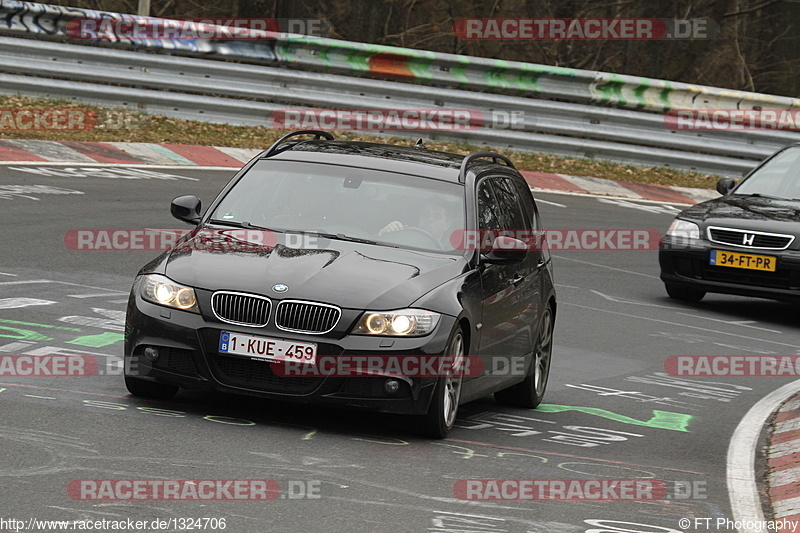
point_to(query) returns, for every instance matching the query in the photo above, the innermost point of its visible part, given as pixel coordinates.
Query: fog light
(391, 386)
(151, 353)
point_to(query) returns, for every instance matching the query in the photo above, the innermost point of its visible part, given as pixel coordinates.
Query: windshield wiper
(759, 195)
(342, 237)
(235, 224)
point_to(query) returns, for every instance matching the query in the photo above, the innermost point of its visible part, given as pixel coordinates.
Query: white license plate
(266, 348)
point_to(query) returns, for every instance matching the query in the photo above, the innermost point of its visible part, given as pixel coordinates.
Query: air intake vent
(241, 309)
(306, 317)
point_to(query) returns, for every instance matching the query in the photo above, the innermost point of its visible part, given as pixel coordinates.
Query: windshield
(347, 203)
(778, 178)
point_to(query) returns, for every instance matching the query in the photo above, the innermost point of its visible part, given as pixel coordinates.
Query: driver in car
(432, 218)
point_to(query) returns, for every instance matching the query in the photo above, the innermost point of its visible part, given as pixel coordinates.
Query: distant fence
(563, 111)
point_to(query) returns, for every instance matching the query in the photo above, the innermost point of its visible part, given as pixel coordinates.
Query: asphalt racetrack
(612, 412)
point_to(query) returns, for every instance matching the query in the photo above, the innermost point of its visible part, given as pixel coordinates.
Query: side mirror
(724, 185)
(186, 209)
(506, 250)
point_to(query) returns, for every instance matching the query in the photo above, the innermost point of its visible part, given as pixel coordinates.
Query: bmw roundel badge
(280, 287)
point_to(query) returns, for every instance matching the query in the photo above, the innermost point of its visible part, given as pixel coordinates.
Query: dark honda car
(747, 242)
(321, 251)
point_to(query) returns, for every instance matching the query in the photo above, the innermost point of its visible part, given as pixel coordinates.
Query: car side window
(507, 200)
(490, 217)
(527, 202)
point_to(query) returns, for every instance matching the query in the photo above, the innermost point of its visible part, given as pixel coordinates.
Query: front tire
(530, 392)
(442, 412)
(150, 389)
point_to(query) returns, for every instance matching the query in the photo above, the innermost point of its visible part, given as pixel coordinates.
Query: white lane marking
(742, 488)
(681, 325)
(602, 186)
(664, 208)
(62, 283)
(93, 295)
(540, 201)
(115, 320)
(16, 346)
(605, 266)
(607, 196)
(567, 286)
(742, 323)
(104, 173)
(627, 301)
(6, 274)
(16, 303)
(9, 192)
(123, 165)
(25, 282)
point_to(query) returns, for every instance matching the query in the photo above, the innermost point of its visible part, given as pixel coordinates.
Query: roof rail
(272, 150)
(496, 158)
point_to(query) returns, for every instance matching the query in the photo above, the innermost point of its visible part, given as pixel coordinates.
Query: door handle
(518, 279)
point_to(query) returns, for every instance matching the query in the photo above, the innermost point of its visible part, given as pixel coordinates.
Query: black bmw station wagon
(339, 273)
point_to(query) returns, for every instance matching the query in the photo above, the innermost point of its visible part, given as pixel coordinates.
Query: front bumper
(189, 358)
(688, 265)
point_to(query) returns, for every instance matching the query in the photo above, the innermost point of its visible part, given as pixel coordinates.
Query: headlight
(683, 230)
(402, 323)
(163, 291)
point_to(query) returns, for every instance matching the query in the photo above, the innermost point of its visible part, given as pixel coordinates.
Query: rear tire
(150, 389)
(530, 392)
(441, 415)
(686, 294)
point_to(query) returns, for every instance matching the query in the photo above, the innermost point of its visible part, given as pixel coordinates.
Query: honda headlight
(681, 231)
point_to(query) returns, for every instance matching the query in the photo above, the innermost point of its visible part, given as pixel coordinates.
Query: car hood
(760, 214)
(347, 274)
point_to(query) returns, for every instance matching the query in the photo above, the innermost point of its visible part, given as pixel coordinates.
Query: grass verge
(124, 125)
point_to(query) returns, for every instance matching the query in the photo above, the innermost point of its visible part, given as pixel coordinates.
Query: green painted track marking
(98, 341)
(660, 420)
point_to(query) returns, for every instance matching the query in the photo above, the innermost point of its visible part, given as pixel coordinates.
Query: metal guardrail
(419, 66)
(216, 91)
(248, 94)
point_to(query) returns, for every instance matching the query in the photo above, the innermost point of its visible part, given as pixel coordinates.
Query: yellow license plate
(748, 261)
